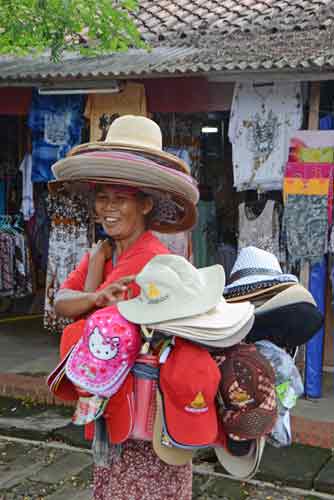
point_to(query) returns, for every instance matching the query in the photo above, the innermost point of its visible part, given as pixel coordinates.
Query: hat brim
(261, 278)
(223, 316)
(187, 212)
(223, 342)
(291, 325)
(194, 430)
(136, 311)
(130, 168)
(58, 383)
(292, 295)
(120, 412)
(162, 157)
(168, 454)
(244, 467)
(247, 292)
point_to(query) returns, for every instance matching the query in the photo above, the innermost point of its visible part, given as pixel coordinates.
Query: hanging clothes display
(69, 240)
(102, 109)
(263, 118)
(2, 197)
(308, 199)
(27, 205)
(204, 236)
(305, 223)
(259, 227)
(56, 123)
(15, 259)
(178, 244)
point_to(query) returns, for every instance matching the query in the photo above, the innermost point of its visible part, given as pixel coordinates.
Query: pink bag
(101, 360)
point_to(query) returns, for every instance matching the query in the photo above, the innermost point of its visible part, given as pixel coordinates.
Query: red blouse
(130, 262)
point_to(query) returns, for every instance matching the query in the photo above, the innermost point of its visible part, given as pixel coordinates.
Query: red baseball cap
(120, 412)
(189, 382)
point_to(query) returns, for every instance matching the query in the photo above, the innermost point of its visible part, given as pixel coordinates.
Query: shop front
(262, 183)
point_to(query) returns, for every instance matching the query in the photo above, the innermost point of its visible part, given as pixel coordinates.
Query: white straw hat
(173, 288)
(254, 272)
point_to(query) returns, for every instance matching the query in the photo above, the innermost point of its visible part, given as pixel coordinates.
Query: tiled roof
(162, 18)
(198, 36)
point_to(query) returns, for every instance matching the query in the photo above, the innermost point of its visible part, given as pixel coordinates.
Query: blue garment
(181, 153)
(326, 123)
(56, 123)
(2, 198)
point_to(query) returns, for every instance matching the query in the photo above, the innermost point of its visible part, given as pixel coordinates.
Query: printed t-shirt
(103, 109)
(130, 262)
(262, 123)
(56, 123)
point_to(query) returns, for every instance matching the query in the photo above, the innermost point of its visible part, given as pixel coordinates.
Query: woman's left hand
(101, 250)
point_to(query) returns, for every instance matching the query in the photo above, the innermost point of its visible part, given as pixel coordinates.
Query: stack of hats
(199, 391)
(179, 300)
(285, 312)
(211, 389)
(132, 155)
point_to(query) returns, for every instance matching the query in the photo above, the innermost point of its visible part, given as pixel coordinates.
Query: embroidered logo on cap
(153, 294)
(198, 405)
(153, 291)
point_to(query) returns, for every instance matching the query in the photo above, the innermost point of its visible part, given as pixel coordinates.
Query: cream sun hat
(246, 466)
(171, 288)
(292, 295)
(222, 326)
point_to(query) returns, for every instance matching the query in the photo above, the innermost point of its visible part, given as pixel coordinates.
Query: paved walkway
(39, 471)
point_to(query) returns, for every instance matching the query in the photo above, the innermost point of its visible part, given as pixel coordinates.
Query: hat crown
(105, 353)
(190, 375)
(253, 257)
(171, 275)
(135, 131)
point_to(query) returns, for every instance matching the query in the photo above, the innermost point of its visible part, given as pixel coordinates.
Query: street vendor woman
(136, 187)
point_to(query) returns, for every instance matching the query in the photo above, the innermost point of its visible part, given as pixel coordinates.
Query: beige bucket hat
(221, 327)
(222, 339)
(171, 288)
(246, 466)
(292, 295)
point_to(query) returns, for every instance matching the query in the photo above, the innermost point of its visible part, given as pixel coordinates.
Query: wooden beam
(313, 118)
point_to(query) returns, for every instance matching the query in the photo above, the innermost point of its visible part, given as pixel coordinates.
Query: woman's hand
(102, 250)
(113, 293)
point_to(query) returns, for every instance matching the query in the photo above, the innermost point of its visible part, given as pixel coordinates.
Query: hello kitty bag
(103, 357)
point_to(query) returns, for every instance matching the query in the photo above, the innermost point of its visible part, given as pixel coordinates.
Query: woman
(100, 280)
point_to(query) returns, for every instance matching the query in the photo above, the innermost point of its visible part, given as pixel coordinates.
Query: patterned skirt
(140, 475)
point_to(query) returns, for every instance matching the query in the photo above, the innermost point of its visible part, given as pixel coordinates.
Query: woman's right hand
(113, 293)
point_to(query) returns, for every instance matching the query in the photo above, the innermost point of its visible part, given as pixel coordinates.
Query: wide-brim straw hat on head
(107, 163)
(136, 134)
(256, 272)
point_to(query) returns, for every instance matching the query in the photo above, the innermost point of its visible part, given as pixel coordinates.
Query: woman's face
(121, 212)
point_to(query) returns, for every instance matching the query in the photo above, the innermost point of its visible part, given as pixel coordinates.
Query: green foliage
(88, 26)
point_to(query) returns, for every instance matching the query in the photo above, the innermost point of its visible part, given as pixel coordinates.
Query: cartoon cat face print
(101, 347)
